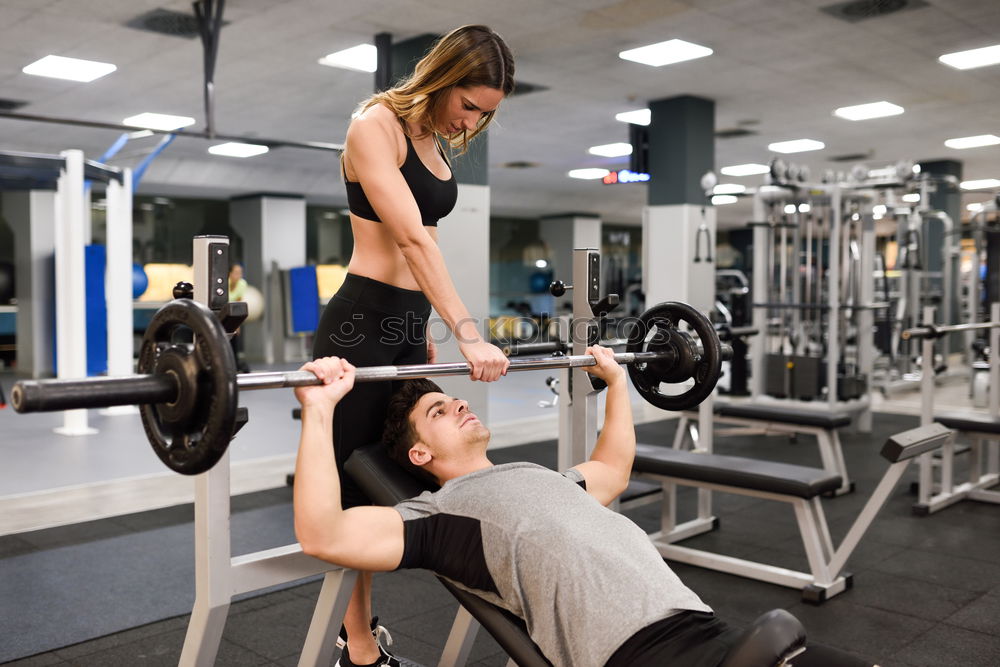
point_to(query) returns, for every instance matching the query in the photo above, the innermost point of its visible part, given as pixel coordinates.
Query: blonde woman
(399, 184)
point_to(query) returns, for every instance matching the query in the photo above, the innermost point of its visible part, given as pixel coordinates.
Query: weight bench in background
(774, 636)
(984, 465)
(779, 419)
(797, 485)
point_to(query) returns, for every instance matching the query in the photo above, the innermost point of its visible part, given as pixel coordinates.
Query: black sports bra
(435, 198)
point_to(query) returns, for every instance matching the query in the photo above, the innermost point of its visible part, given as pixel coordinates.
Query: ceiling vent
(852, 157)
(10, 105)
(523, 88)
(733, 132)
(859, 10)
(167, 22)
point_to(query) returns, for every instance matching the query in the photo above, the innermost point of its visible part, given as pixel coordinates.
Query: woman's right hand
(487, 360)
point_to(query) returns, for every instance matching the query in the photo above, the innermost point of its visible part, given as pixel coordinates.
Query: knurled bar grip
(53, 395)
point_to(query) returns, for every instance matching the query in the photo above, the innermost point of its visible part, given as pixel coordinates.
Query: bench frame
(984, 463)
(826, 577)
(830, 451)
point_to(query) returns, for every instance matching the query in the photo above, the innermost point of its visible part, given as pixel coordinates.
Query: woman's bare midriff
(377, 256)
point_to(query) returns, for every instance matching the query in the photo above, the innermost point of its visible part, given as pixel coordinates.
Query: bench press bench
(774, 636)
(984, 465)
(780, 419)
(799, 486)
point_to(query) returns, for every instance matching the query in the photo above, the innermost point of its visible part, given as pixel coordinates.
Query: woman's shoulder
(379, 118)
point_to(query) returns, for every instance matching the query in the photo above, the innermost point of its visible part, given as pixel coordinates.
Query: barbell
(188, 393)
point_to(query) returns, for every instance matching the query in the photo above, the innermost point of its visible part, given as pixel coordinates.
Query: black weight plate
(658, 330)
(193, 444)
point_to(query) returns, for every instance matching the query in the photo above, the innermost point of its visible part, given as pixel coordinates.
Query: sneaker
(382, 640)
(385, 660)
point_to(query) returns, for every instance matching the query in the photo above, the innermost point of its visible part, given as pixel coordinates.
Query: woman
(399, 184)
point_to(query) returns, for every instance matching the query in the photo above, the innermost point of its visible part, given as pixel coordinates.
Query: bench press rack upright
(219, 576)
(983, 430)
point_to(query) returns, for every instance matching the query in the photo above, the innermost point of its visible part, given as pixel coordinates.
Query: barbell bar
(54, 395)
(187, 393)
(938, 330)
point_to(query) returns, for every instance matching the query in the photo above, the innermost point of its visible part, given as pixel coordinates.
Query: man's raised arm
(363, 538)
(607, 472)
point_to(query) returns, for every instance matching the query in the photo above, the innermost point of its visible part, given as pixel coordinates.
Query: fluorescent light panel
(749, 169)
(666, 53)
(588, 174)
(988, 55)
(796, 146)
(981, 184)
(868, 111)
(611, 150)
(975, 207)
(360, 58)
(158, 121)
(636, 117)
(729, 189)
(973, 142)
(236, 149)
(71, 69)
(721, 200)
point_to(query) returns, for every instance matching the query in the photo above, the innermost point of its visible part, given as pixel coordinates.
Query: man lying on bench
(588, 583)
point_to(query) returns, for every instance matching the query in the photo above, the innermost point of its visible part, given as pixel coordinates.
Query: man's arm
(363, 538)
(610, 465)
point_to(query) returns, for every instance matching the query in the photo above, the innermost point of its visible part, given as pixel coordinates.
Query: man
(588, 583)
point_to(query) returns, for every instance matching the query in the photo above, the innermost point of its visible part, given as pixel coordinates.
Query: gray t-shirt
(534, 542)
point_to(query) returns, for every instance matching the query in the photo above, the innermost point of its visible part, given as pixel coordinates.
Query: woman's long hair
(472, 55)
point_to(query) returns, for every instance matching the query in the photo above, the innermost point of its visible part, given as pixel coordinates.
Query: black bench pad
(781, 478)
(783, 415)
(968, 422)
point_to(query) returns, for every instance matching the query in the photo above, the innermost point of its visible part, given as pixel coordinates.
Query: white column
(118, 283)
(670, 244)
(31, 215)
(273, 230)
(71, 316)
(464, 239)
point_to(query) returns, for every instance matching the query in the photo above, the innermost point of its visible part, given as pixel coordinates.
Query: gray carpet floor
(117, 591)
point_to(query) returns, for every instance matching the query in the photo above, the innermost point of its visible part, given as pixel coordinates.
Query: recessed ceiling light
(988, 55)
(973, 142)
(588, 174)
(236, 149)
(72, 69)
(666, 53)
(158, 121)
(722, 200)
(790, 208)
(981, 184)
(360, 58)
(729, 189)
(911, 197)
(637, 117)
(866, 111)
(805, 208)
(611, 150)
(749, 169)
(796, 146)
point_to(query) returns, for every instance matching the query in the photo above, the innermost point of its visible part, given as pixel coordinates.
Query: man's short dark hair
(400, 433)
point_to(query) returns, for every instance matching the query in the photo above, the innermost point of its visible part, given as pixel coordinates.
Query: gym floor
(116, 590)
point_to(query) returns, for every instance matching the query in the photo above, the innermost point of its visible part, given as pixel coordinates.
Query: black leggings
(369, 323)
